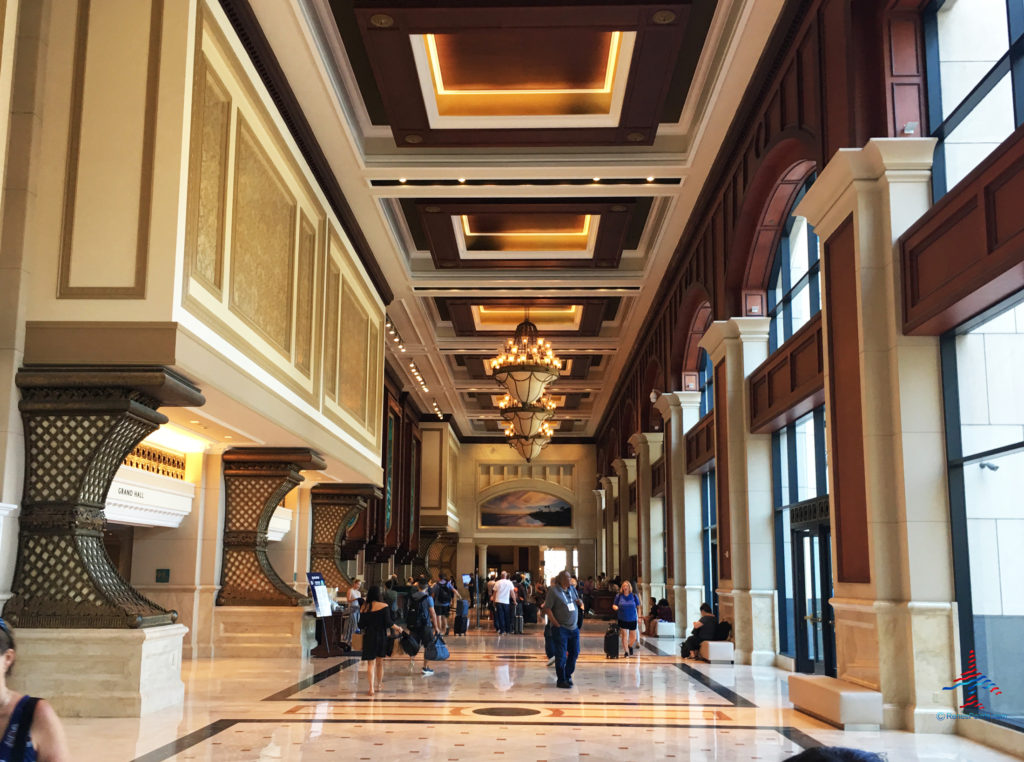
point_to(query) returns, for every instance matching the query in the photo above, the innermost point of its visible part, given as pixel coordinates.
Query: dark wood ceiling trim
(595, 312)
(256, 45)
(655, 60)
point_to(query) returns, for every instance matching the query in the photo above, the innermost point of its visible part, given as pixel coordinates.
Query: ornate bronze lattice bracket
(436, 554)
(335, 508)
(256, 479)
(80, 423)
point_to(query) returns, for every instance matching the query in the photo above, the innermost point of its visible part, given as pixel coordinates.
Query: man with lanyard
(560, 606)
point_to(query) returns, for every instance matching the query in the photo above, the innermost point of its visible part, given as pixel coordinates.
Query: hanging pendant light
(529, 446)
(527, 419)
(527, 365)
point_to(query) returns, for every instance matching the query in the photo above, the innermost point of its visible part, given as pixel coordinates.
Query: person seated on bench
(660, 612)
(702, 630)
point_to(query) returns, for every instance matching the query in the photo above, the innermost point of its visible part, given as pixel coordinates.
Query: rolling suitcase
(611, 642)
(461, 624)
(463, 608)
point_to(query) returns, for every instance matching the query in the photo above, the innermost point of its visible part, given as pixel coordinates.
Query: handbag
(410, 644)
(437, 650)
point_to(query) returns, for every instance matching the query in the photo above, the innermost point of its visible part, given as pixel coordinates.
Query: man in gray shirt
(561, 607)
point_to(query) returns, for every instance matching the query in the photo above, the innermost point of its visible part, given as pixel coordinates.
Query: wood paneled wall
(790, 383)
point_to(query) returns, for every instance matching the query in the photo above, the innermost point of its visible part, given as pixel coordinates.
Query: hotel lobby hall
(311, 309)
(494, 699)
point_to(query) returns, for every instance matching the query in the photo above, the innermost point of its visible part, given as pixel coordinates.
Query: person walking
(353, 597)
(377, 625)
(561, 607)
(32, 731)
(625, 606)
(443, 593)
(421, 619)
(504, 596)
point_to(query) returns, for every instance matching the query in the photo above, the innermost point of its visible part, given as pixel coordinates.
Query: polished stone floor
(494, 699)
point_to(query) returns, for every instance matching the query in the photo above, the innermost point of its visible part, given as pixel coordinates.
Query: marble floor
(494, 699)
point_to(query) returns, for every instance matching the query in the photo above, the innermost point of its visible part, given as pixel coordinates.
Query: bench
(717, 651)
(837, 702)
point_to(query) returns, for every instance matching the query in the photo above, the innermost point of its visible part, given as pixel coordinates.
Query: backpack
(416, 617)
(443, 594)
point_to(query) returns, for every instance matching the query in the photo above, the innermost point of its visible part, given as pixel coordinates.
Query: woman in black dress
(376, 622)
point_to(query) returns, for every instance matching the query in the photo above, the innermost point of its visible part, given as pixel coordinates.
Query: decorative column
(611, 527)
(625, 470)
(743, 472)
(600, 558)
(893, 593)
(648, 449)
(80, 423)
(256, 479)
(335, 508)
(680, 410)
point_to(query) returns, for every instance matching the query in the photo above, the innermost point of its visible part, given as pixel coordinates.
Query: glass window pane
(995, 535)
(988, 125)
(798, 263)
(973, 35)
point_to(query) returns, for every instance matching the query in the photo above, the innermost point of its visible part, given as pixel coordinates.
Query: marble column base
(906, 650)
(102, 673)
(753, 625)
(262, 632)
(194, 605)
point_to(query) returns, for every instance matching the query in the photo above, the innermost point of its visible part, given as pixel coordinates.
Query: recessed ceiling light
(194, 420)
(596, 179)
(462, 179)
(228, 436)
(401, 179)
(650, 179)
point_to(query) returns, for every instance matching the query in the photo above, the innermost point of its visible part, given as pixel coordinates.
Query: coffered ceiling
(502, 158)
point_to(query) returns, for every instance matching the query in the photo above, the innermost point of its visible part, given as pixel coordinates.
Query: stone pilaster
(335, 509)
(748, 596)
(79, 424)
(611, 524)
(625, 470)
(256, 479)
(680, 411)
(648, 447)
(895, 632)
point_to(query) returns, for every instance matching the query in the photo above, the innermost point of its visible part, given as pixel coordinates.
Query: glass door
(812, 583)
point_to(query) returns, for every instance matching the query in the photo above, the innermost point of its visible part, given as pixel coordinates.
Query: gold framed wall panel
(208, 178)
(104, 142)
(263, 241)
(324, 274)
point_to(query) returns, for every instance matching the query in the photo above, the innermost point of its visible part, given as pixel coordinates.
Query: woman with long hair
(625, 606)
(32, 732)
(377, 622)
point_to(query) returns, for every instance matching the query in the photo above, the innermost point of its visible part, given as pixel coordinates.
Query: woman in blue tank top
(625, 606)
(32, 731)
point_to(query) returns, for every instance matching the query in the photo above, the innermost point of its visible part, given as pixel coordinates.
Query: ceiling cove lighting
(393, 334)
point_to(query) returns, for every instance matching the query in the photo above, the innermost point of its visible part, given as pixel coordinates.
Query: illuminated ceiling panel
(526, 78)
(524, 235)
(562, 318)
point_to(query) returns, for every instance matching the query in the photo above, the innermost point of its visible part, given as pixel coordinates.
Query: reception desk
(601, 604)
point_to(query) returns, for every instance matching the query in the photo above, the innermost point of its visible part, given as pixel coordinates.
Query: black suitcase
(463, 608)
(461, 624)
(611, 642)
(517, 627)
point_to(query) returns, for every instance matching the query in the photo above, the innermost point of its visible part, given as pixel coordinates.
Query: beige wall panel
(430, 482)
(355, 325)
(110, 154)
(208, 179)
(331, 331)
(262, 241)
(305, 288)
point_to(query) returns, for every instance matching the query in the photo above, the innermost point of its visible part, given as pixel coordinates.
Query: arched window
(975, 55)
(794, 296)
(706, 381)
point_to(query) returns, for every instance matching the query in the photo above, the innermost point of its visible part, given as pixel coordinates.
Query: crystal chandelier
(527, 419)
(529, 446)
(527, 365)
